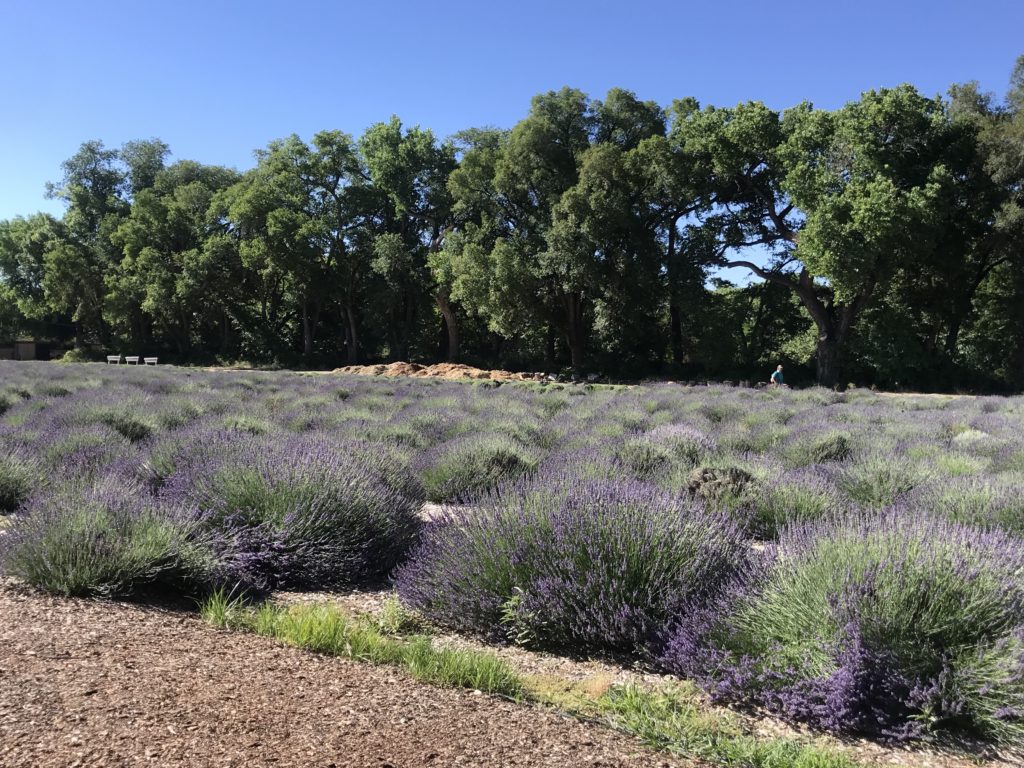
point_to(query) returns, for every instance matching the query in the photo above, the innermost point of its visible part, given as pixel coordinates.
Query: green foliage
(326, 629)
(675, 721)
(94, 542)
(927, 604)
(585, 237)
(470, 466)
(18, 478)
(878, 480)
(791, 499)
(816, 448)
(393, 618)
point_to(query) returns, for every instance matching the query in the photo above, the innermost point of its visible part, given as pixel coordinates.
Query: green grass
(328, 630)
(673, 721)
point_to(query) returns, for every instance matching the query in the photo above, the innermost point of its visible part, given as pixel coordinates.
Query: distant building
(25, 349)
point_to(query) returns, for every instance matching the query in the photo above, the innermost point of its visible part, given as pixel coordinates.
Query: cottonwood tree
(408, 171)
(166, 278)
(98, 185)
(561, 235)
(296, 216)
(995, 339)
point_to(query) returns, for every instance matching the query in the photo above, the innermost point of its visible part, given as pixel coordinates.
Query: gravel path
(87, 683)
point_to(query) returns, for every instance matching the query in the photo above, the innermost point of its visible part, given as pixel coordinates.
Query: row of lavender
(849, 560)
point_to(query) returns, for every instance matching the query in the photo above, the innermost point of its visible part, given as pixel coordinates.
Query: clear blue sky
(217, 79)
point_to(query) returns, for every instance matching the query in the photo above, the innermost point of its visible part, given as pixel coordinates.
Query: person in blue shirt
(776, 379)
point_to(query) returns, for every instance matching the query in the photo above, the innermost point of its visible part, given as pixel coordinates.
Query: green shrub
(101, 541)
(880, 479)
(18, 476)
(561, 562)
(797, 496)
(468, 466)
(887, 623)
(802, 450)
(980, 501)
(643, 457)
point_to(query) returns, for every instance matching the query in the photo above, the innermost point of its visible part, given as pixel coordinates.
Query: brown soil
(88, 683)
(450, 371)
(597, 675)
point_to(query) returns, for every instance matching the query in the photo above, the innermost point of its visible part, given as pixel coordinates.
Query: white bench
(149, 360)
(134, 359)
(116, 359)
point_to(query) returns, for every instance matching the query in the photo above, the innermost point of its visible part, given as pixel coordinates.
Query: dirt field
(85, 683)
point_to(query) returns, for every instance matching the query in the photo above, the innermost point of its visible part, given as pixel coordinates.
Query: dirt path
(105, 684)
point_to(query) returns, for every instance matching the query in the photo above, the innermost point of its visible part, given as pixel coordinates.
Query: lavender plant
(105, 539)
(814, 445)
(569, 563)
(466, 466)
(880, 479)
(982, 502)
(879, 623)
(19, 476)
(301, 512)
(795, 496)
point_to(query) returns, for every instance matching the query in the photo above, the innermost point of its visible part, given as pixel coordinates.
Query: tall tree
(841, 199)
(295, 215)
(408, 170)
(165, 278)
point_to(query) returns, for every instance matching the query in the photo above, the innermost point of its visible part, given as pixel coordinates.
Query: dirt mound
(450, 371)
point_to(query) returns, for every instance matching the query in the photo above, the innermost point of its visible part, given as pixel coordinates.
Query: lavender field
(848, 560)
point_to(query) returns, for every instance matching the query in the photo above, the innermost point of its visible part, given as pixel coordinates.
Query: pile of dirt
(450, 371)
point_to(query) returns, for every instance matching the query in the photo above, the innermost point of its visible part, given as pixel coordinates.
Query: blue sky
(217, 79)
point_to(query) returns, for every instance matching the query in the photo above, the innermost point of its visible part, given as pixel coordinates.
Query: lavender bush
(881, 478)
(795, 496)
(301, 512)
(465, 466)
(569, 563)
(885, 623)
(982, 502)
(82, 451)
(18, 477)
(107, 539)
(813, 445)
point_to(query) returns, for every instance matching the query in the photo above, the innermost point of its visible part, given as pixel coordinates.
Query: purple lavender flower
(564, 562)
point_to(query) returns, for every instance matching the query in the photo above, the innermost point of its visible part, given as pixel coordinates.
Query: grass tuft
(671, 721)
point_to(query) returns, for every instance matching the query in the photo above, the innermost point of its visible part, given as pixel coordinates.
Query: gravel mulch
(90, 683)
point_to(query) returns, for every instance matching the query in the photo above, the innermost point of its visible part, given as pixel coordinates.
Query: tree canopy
(882, 240)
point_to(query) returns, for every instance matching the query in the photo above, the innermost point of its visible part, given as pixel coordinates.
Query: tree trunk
(829, 360)
(676, 331)
(408, 324)
(451, 325)
(224, 333)
(674, 310)
(574, 330)
(307, 332)
(353, 337)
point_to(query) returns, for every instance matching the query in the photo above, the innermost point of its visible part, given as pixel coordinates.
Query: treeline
(886, 237)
